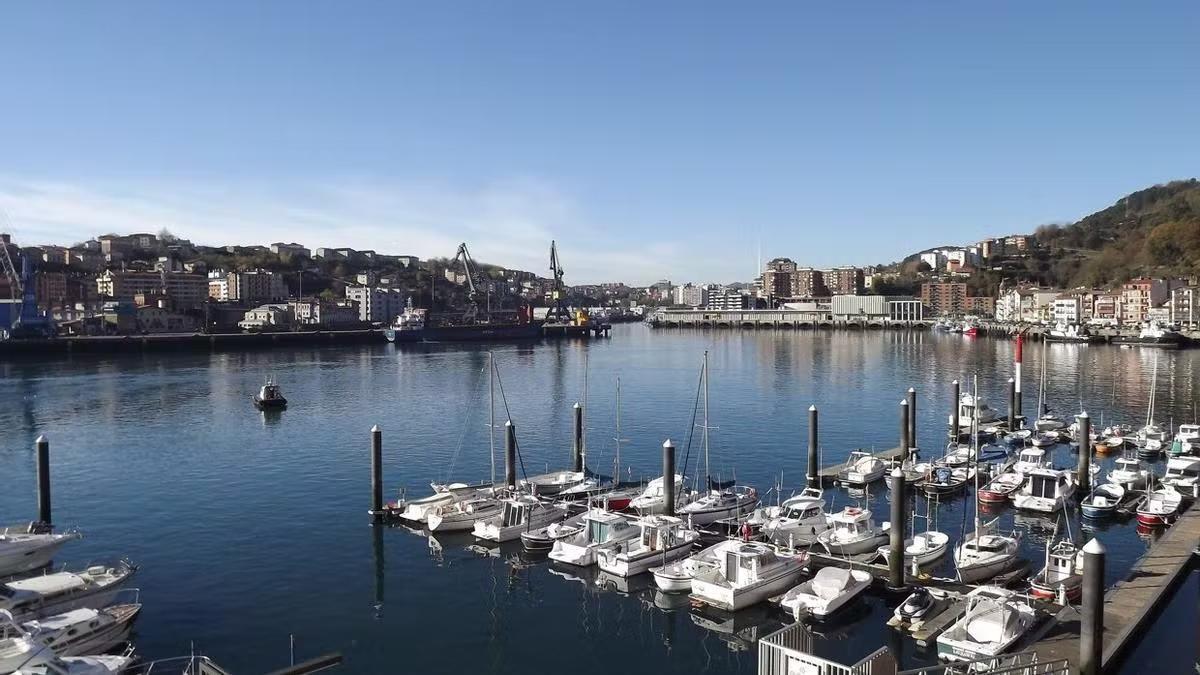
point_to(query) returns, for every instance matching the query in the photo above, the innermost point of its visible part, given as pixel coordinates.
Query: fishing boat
(746, 575)
(718, 502)
(544, 538)
(1183, 475)
(983, 554)
(1128, 473)
(677, 576)
(831, 589)
(944, 480)
(862, 468)
(24, 548)
(1000, 488)
(1030, 459)
(75, 633)
(1187, 440)
(1074, 333)
(519, 514)
(1151, 334)
(1103, 501)
(1062, 572)
(1159, 507)
(853, 532)
(973, 411)
(970, 329)
(270, 396)
(662, 539)
(50, 594)
(799, 520)
(1045, 491)
(600, 529)
(994, 620)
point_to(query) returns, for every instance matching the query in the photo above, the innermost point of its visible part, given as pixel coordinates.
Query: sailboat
(985, 552)
(609, 496)
(718, 502)
(1046, 420)
(553, 483)
(1150, 438)
(921, 548)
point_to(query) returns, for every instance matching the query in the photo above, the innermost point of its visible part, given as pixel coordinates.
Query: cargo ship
(417, 325)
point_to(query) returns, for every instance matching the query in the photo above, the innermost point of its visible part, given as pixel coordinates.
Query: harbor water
(252, 527)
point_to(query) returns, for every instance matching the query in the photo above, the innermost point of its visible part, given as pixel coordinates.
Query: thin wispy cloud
(509, 222)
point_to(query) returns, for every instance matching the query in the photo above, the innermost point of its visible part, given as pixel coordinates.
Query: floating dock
(1131, 604)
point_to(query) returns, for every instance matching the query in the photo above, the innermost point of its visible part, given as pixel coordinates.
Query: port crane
(558, 312)
(25, 320)
(469, 270)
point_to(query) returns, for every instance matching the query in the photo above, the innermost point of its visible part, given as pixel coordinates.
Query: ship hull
(471, 333)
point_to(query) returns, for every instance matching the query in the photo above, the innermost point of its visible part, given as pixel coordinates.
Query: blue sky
(652, 140)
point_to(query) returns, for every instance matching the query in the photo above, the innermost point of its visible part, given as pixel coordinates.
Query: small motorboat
(552, 483)
(1159, 507)
(270, 396)
(920, 605)
(663, 539)
(731, 502)
(999, 489)
(1062, 573)
(544, 538)
(1030, 459)
(747, 575)
(1183, 474)
(1129, 474)
(28, 547)
(600, 529)
(944, 480)
(831, 589)
(1045, 491)
(1150, 448)
(1045, 439)
(461, 516)
(853, 532)
(862, 468)
(922, 549)
(519, 514)
(799, 520)
(1187, 440)
(984, 554)
(1103, 501)
(1018, 437)
(75, 633)
(994, 620)
(651, 499)
(677, 576)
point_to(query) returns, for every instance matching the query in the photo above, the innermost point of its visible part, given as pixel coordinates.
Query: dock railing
(1021, 663)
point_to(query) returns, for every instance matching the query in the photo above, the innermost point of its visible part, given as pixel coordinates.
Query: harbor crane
(558, 312)
(24, 319)
(469, 270)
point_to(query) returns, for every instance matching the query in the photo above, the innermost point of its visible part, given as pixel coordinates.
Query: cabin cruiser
(519, 514)
(862, 468)
(651, 501)
(1030, 459)
(270, 397)
(830, 589)
(731, 502)
(799, 520)
(1159, 507)
(26, 548)
(1103, 500)
(1128, 473)
(922, 548)
(973, 410)
(1183, 474)
(1063, 572)
(662, 539)
(746, 575)
(461, 516)
(984, 554)
(1187, 440)
(1045, 491)
(994, 620)
(999, 489)
(50, 594)
(678, 575)
(74, 633)
(853, 532)
(600, 529)
(417, 511)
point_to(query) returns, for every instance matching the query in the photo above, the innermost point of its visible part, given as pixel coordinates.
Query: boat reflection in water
(740, 630)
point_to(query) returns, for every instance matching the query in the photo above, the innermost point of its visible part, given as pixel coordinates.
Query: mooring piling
(1083, 473)
(668, 477)
(577, 445)
(896, 531)
(43, 480)
(510, 455)
(814, 477)
(904, 444)
(376, 473)
(954, 425)
(1091, 624)
(1012, 404)
(913, 443)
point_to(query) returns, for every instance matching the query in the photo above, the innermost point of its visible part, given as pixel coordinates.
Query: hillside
(1155, 231)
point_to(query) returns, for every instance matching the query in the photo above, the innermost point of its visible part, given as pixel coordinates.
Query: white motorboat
(862, 468)
(1159, 507)
(652, 499)
(519, 514)
(731, 502)
(799, 520)
(1128, 473)
(1045, 491)
(958, 456)
(984, 554)
(601, 529)
(1188, 439)
(25, 548)
(461, 516)
(1183, 474)
(994, 620)
(662, 539)
(831, 589)
(50, 594)
(44, 662)
(1030, 459)
(552, 483)
(973, 410)
(746, 575)
(74, 633)
(544, 538)
(1045, 439)
(1062, 572)
(853, 532)
(418, 510)
(1000, 488)
(677, 576)
(922, 549)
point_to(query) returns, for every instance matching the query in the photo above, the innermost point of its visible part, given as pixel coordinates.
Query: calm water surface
(250, 528)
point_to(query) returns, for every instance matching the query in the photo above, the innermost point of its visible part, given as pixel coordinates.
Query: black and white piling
(814, 471)
(668, 478)
(1083, 473)
(43, 480)
(954, 426)
(1012, 404)
(376, 473)
(1091, 633)
(896, 531)
(577, 445)
(510, 455)
(913, 443)
(904, 444)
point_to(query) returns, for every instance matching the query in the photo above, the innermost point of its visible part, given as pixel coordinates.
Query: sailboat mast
(617, 458)
(492, 412)
(583, 420)
(707, 468)
(975, 451)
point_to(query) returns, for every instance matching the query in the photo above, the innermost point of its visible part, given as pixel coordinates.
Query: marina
(385, 568)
